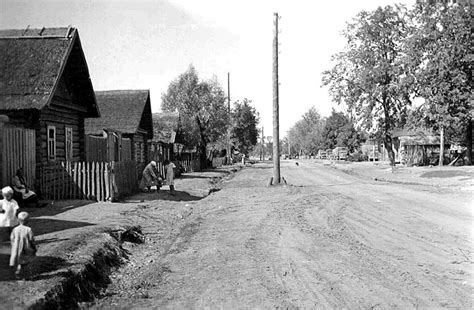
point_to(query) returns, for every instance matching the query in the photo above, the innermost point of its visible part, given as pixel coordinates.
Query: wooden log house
(46, 92)
(128, 112)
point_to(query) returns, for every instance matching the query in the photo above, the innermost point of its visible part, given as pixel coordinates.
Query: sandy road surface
(328, 240)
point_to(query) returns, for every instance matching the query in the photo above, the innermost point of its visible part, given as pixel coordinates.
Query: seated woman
(22, 192)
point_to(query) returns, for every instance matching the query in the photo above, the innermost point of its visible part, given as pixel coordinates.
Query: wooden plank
(92, 178)
(80, 179)
(74, 180)
(62, 186)
(106, 182)
(99, 181)
(86, 180)
(71, 180)
(102, 181)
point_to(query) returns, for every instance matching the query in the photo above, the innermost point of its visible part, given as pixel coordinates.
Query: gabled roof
(32, 63)
(127, 111)
(165, 127)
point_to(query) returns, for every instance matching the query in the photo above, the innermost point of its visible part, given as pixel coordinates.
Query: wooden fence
(109, 148)
(99, 181)
(190, 162)
(96, 149)
(18, 150)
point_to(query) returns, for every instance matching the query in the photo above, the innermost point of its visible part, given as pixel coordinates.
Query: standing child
(23, 244)
(169, 167)
(8, 209)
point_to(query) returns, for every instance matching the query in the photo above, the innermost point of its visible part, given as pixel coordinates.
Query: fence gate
(18, 150)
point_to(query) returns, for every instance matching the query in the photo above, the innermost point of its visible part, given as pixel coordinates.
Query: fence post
(106, 182)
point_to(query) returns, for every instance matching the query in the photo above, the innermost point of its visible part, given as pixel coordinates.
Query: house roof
(422, 140)
(165, 127)
(33, 61)
(127, 111)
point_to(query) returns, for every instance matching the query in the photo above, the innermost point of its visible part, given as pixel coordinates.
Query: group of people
(15, 223)
(151, 176)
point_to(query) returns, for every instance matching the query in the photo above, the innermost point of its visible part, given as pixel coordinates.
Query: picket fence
(190, 164)
(100, 181)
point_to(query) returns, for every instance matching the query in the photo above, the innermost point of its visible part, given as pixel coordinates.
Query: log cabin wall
(60, 118)
(139, 148)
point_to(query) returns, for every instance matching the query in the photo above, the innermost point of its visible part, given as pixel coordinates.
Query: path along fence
(101, 181)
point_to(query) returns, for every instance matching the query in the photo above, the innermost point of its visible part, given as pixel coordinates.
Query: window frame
(51, 143)
(68, 147)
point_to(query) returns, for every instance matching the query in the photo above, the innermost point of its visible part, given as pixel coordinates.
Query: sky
(145, 44)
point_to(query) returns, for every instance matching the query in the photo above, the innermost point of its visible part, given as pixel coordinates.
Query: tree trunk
(202, 145)
(469, 142)
(388, 137)
(389, 148)
(203, 156)
(441, 146)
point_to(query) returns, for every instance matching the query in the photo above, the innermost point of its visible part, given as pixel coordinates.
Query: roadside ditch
(90, 267)
(97, 255)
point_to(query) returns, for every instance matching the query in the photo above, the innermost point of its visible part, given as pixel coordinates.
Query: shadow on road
(56, 207)
(43, 226)
(163, 195)
(446, 174)
(42, 267)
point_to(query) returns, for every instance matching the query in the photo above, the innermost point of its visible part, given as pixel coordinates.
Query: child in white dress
(23, 244)
(169, 168)
(8, 209)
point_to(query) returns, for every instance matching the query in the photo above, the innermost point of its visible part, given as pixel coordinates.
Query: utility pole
(262, 151)
(228, 90)
(229, 131)
(276, 125)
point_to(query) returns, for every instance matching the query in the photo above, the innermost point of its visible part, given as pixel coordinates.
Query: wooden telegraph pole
(229, 131)
(262, 151)
(276, 125)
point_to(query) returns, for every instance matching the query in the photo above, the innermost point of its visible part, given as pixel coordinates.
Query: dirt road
(327, 240)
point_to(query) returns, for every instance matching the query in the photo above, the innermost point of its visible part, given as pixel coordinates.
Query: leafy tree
(438, 67)
(306, 135)
(244, 130)
(339, 130)
(366, 74)
(203, 110)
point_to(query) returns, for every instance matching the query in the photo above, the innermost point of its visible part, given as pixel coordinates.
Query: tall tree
(306, 135)
(438, 67)
(202, 105)
(366, 74)
(244, 129)
(339, 130)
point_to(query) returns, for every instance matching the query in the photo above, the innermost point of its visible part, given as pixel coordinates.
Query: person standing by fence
(150, 177)
(169, 168)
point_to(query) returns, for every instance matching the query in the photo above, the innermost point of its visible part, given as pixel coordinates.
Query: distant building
(127, 112)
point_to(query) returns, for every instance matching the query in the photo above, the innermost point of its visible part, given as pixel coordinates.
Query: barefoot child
(23, 244)
(169, 167)
(8, 210)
